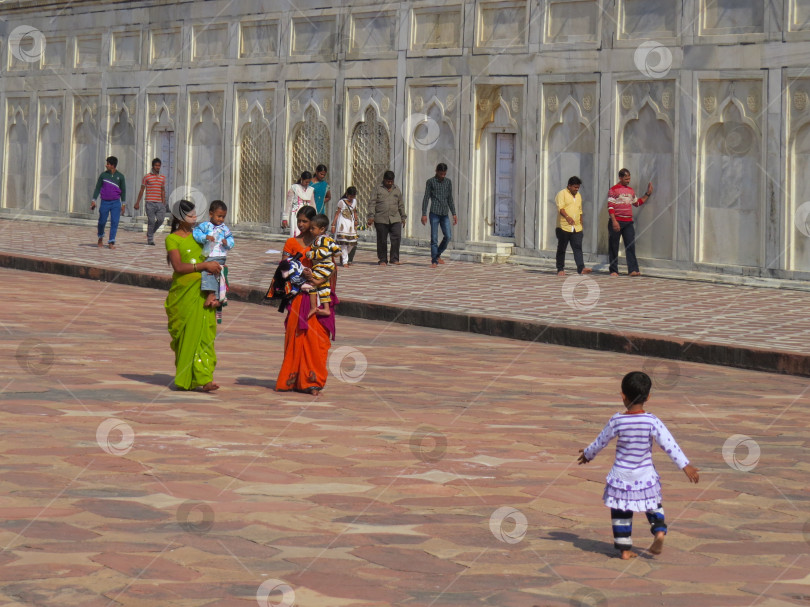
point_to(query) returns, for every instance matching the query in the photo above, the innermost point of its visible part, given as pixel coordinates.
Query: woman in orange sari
(306, 339)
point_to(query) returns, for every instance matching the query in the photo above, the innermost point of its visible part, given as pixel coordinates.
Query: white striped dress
(633, 483)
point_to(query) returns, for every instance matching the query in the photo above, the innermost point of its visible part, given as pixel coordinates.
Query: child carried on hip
(217, 240)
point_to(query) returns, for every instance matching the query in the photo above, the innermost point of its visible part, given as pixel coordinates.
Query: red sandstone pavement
(749, 327)
(438, 468)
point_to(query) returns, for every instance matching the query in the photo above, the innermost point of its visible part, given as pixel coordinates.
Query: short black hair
(350, 191)
(624, 172)
(112, 160)
(156, 161)
(441, 167)
(217, 205)
(636, 387)
(388, 175)
(321, 220)
(575, 181)
(304, 175)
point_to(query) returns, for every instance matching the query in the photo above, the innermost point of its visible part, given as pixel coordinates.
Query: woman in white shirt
(299, 195)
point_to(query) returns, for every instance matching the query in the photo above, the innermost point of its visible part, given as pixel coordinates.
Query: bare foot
(112, 245)
(210, 387)
(211, 301)
(440, 260)
(100, 242)
(635, 273)
(614, 273)
(627, 555)
(586, 271)
(658, 543)
(312, 312)
(560, 273)
(322, 312)
(433, 265)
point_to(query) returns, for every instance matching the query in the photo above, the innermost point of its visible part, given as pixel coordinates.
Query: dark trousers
(384, 232)
(575, 238)
(628, 234)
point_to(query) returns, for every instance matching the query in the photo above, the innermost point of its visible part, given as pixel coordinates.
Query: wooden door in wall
(165, 148)
(504, 224)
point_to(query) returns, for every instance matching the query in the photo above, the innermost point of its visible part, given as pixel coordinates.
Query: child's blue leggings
(623, 525)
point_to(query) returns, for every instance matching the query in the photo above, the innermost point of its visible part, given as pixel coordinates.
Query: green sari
(192, 327)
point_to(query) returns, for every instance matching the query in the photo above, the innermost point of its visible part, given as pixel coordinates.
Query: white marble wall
(708, 99)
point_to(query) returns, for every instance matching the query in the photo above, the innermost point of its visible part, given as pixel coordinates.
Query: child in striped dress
(633, 485)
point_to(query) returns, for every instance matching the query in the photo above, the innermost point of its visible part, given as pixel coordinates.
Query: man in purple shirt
(112, 187)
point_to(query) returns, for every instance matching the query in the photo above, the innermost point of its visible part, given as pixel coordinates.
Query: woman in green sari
(192, 326)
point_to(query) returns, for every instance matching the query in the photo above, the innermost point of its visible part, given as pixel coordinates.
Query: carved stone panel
(310, 116)
(210, 41)
(732, 17)
(313, 36)
(439, 28)
(372, 34)
(648, 19)
(646, 136)
(54, 55)
(258, 39)
(165, 47)
(731, 176)
(49, 152)
(88, 51)
(17, 189)
(501, 24)
(126, 49)
(572, 21)
(798, 186)
(87, 133)
(569, 133)
(206, 167)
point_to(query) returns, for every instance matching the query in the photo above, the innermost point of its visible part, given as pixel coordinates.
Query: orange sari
(305, 351)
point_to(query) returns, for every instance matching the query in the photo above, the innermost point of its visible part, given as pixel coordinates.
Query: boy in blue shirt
(217, 240)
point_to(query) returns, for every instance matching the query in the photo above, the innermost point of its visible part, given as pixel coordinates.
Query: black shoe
(151, 244)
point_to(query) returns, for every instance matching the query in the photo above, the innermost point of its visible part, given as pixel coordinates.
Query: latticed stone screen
(371, 157)
(255, 173)
(310, 146)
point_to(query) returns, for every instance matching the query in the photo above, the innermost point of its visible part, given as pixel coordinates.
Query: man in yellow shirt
(569, 226)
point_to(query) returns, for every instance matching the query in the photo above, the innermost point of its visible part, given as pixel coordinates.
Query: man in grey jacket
(388, 219)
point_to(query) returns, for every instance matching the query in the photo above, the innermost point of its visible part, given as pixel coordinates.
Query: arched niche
(370, 157)
(85, 165)
(571, 151)
(207, 168)
(50, 165)
(17, 166)
(648, 150)
(310, 144)
(731, 191)
(255, 168)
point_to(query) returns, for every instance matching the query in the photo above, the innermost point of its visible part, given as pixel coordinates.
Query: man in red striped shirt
(621, 200)
(155, 186)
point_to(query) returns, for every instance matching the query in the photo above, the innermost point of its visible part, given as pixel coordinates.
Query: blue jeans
(436, 247)
(113, 209)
